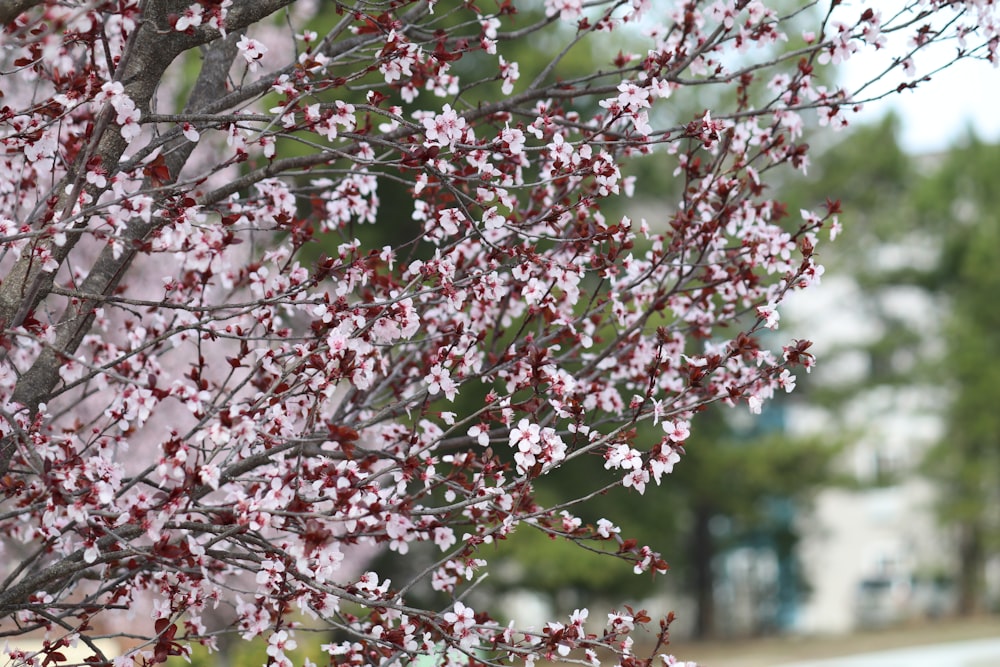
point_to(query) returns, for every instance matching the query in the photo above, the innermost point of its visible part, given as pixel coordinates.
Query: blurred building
(873, 550)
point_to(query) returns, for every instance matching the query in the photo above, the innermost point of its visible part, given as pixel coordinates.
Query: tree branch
(11, 9)
(38, 381)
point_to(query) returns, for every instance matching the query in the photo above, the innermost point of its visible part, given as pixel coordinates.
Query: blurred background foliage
(929, 226)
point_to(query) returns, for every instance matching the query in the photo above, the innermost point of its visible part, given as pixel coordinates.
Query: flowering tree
(200, 415)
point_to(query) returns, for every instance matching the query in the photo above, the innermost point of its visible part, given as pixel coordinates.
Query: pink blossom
(677, 430)
(535, 445)
(462, 620)
(606, 529)
(770, 315)
(568, 10)
(277, 644)
(189, 18)
(620, 623)
(480, 433)
(510, 73)
(513, 140)
(623, 456)
(252, 52)
(842, 48)
(444, 129)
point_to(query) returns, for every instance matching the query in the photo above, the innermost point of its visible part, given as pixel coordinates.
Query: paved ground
(808, 651)
(978, 653)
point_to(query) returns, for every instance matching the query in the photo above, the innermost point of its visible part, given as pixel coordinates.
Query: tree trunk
(970, 567)
(702, 555)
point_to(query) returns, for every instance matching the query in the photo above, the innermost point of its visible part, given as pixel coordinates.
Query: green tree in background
(745, 482)
(929, 224)
(961, 200)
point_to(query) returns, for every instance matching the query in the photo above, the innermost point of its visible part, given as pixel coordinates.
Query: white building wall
(885, 527)
(854, 536)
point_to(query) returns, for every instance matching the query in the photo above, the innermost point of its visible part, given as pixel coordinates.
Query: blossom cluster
(331, 299)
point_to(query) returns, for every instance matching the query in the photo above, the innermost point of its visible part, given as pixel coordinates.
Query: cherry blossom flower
(189, 18)
(535, 445)
(510, 73)
(252, 51)
(462, 620)
(770, 315)
(677, 430)
(444, 129)
(480, 433)
(606, 529)
(568, 10)
(620, 623)
(277, 644)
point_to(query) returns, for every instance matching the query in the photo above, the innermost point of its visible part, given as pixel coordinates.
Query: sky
(940, 111)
